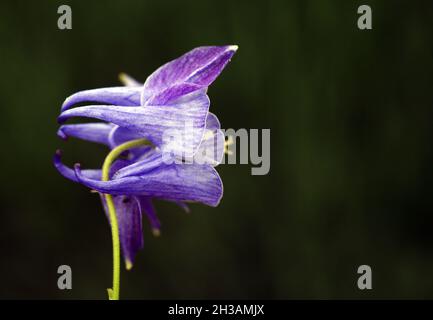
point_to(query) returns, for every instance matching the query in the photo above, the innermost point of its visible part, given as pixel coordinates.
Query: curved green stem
(113, 293)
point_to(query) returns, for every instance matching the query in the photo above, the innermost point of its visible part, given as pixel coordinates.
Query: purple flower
(173, 99)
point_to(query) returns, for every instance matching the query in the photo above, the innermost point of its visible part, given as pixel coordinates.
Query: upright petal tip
(233, 47)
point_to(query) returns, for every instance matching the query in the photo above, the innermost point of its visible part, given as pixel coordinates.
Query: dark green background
(350, 114)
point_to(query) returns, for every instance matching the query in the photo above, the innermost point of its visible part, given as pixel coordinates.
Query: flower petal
(177, 128)
(211, 150)
(178, 182)
(119, 135)
(141, 166)
(128, 213)
(69, 173)
(95, 132)
(123, 96)
(212, 121)
(167, 96)
(199, 66)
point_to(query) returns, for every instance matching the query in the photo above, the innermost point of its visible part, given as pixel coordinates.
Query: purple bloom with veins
(172, 99)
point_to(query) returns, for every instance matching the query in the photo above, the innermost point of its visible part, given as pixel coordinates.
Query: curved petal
(96, 174)
(69, 173)
(198, 183)
(128, 213)
(211, 150)
(177, 128)
(123, 96)
(199, 66)
(212, 121)
(94, 132)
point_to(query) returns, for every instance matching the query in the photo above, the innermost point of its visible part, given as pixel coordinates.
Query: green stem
(113, 293)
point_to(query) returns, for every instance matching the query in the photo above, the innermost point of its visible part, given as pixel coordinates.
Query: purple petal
(147, 207)
(211, 150)
(167, 96)
(184, 182)
(119, 135)
(199, 66)
(123, 96)
(128, 215)
(142, 166)
(95, 132)
(69, 173)
(212, 121)
(176, 128)
(89, 173)
(205, 76)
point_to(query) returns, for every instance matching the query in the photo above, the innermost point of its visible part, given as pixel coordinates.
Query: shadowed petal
(185, 182)
(128, 213)
(177, 128)
(119, 135)
(95, 132)
(199, 66)
(123, 96)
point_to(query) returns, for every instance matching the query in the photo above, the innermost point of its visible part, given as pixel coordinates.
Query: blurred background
(350, 114)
